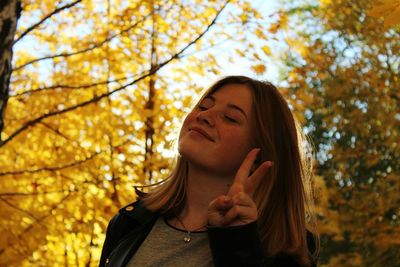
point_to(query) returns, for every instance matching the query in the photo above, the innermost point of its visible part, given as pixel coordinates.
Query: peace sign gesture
(237, 206)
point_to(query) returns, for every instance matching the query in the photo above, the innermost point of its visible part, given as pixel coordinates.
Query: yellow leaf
(240, 52)
(266, 50)
(256, 56)
(259, 69)
(298, 46)
(274, 28)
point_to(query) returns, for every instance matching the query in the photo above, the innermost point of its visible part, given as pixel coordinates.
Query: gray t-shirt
(165, 246)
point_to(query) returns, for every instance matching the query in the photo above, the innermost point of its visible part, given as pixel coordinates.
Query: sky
(240, 67)
(266, 8)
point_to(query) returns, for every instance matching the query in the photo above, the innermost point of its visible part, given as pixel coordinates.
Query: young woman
(237, 196)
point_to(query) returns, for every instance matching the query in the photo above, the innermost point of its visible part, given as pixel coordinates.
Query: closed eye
(230, 119)
(201, 107)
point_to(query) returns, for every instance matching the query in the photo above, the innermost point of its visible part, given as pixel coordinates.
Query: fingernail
(270, 165)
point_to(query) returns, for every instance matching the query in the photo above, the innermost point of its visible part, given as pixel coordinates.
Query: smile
(201, 132)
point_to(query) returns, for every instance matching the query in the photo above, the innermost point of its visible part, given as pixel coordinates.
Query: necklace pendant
(187, 239)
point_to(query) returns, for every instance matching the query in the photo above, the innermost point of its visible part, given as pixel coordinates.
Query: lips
(202, 132)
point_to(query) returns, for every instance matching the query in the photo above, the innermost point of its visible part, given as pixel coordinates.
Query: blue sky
(243, 67)
(240, 67)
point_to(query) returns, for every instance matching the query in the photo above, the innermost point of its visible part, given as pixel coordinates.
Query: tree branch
(51, 168)
(18, 208)
(41, 219)
(25, 194)
(37, 24)
(65, 166)
(38, 221)
(56, 131)
(92, 47)
(70, 87)
(99, 97)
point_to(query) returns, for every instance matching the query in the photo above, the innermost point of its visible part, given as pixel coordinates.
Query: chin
(187, 153)
(188, 146)
(184, 150)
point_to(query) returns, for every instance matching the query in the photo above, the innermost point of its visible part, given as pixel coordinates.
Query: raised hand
(237, 206)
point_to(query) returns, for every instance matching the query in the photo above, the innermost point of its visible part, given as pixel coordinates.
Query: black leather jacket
(230, 246)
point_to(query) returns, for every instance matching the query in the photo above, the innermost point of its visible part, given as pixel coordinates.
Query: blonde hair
(284, 196)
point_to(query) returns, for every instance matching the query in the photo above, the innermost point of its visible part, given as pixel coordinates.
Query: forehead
(237, 94)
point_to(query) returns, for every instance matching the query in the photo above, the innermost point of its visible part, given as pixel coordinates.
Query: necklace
(188, 236)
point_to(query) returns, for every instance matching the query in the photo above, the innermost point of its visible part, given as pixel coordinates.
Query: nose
(206, 117)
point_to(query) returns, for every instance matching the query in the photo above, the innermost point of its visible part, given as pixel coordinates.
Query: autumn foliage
(342, 65)
(99, 88)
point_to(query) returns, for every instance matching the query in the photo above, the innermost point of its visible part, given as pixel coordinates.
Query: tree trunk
(10, 11)
(149, 132)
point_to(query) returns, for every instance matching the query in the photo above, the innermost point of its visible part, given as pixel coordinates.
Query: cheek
(235, 147)
(236, 139)
(188, 119)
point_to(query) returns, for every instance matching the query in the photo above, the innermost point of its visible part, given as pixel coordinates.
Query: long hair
(284, 195)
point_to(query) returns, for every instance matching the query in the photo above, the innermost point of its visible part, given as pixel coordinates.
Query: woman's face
(217, 134)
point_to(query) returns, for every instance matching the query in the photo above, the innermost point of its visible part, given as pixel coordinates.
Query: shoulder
(129, 216)
(131, 220)
(136, 211)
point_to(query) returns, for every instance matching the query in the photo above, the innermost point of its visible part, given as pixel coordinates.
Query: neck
(203, 187)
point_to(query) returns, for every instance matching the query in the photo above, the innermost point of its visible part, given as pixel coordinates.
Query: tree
(10, 11)
(97, 91)
(343, 67)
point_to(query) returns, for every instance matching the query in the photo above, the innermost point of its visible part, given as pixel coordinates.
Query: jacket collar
(137, 212)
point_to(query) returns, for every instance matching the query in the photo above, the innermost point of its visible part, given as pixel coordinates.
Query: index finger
(244, 170)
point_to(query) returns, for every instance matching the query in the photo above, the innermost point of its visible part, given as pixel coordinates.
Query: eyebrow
(229, 105)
